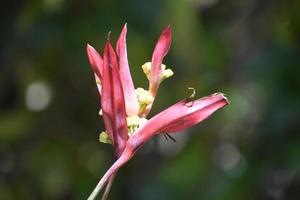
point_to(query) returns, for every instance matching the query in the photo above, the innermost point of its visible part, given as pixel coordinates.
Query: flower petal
(95, 60)
(160, 51)
(112, 101)
(180, 116)
(132, 106)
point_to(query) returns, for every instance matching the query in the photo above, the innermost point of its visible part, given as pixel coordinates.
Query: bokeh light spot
(37, 96)
(227, 156)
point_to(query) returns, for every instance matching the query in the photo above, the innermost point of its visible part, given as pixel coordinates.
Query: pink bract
(119, 101)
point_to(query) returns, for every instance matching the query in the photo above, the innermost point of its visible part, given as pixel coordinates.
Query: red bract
(124, 108)
(131, 102)
(96, 63)
(95, 60)
(160, 51)
(112, 101)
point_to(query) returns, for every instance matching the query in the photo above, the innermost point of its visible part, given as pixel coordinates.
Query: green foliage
(247, 49)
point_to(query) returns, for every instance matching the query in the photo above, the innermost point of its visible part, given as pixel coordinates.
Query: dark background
(49, 123)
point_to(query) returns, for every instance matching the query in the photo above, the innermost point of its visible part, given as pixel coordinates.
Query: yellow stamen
(133, 123)
(144, 98)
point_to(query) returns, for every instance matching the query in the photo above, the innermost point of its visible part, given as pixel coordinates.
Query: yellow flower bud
(166, 73)
(103, 137)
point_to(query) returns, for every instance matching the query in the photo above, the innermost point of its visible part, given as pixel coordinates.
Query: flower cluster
(125, 109)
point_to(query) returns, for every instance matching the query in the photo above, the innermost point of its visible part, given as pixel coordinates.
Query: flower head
(124, 108)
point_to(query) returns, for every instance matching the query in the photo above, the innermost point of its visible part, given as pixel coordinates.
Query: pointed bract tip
(226, 99)
(108, 42)
(89, 47)
(223, 96)
(167, 34)
(124, 29)
(168, 30)
(108, 36)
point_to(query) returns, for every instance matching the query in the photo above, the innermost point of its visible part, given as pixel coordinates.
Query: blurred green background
(49, 122)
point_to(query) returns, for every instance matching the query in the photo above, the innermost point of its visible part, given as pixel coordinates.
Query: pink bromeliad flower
(124, 108)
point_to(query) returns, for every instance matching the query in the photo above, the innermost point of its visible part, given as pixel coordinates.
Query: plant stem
(102, 182)
(108, 186)
(110, 172)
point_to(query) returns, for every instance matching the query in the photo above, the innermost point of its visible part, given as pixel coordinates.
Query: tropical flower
(124, 108)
